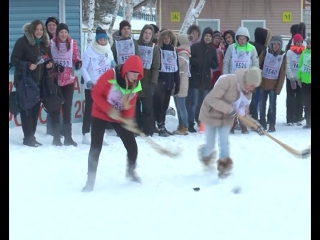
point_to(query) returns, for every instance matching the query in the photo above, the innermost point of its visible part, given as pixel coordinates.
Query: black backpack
(52, 95)
(28, 91)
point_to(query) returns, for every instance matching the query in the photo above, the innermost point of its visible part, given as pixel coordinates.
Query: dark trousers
(98, 127)
(264, 94)
(294, 103)
(306, 96)
(86, 122)
(144, 114)
(55, 117)
(161, 100)
(67, 92)
(254, 104)
(29, 121)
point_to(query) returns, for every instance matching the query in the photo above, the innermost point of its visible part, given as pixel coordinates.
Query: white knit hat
(253, 76)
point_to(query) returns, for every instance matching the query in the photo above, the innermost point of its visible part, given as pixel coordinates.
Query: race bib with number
(271, 66)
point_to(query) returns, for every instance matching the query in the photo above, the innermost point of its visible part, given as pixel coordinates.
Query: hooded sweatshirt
(238, 56)
(111, 90)
(261, 39)
(150, 55)
(232, 33)
(273, 65)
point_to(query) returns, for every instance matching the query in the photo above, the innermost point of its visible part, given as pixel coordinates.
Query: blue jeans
(272, 106)
(194, 95)
(181, 110)
(210, 133)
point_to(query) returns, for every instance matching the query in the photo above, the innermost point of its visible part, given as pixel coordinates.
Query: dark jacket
(27, 49)
(203, 59)
(167, 81)
(262, 37)
(151, 75)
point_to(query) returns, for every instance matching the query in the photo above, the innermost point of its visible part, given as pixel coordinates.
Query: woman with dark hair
(66, 55)
(34, 48)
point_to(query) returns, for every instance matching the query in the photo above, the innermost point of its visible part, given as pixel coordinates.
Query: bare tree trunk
(90, 22)
(129, 10)
(192, 15)
(115, 14)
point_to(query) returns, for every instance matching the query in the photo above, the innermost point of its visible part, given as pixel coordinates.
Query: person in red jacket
(114, 97)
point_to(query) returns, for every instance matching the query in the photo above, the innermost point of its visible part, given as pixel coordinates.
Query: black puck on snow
(196, 189)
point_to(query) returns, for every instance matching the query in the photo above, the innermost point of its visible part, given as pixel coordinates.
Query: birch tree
(115, 14)
(129, 10)
(90, 22)
(191, 15)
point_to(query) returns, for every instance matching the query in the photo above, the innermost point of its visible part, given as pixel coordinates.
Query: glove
(151, 88)
(113, 63)
(58, 68)
(260, 130)
(114, 113)
(293, 84)
(78, 65)
(232, 114)
(89, 85)
(176, 90)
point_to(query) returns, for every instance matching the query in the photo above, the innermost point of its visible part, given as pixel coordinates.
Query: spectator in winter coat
(229, 38)
(240, 54)
(203, 59)
(51, 26)
(261, 41)
(300, 28)
(231, 95)
(304, 78)
(184, 54)
(195, 31)
(66, 55)
(217, 44)
(273, 62)
(114, 97)
(126, 45)
(168, 79)
(31, 48)
(150, 55)
(294, 102)
(97, 59)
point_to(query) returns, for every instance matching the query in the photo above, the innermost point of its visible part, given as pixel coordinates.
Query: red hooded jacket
(108, 93)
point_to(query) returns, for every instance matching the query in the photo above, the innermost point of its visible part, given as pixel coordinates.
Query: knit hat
(216, 34)
(123, 23)
(100, 33)
(156, 28)
(60, 27)
(253, 76)
(52, 19)
(297, 37)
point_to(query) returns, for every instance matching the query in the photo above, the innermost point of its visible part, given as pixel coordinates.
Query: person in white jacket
(97, 59)
(294, 102)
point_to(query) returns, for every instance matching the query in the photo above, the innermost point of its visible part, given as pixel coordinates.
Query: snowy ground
(46, 202)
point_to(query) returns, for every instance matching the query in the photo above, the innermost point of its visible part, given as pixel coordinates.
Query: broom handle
(251, 124)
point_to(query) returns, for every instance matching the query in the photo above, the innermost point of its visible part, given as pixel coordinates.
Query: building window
(213, 23)
(252, 25)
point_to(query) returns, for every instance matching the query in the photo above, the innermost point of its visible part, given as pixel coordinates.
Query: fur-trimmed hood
(29, 29)
(171, 35)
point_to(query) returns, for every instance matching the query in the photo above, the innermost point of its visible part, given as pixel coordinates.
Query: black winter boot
(162, 130)
(68, 141)
(56, 135)
(191, 128)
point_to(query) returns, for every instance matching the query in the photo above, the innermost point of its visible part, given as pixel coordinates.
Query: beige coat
(218, 103)
(184, 55)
